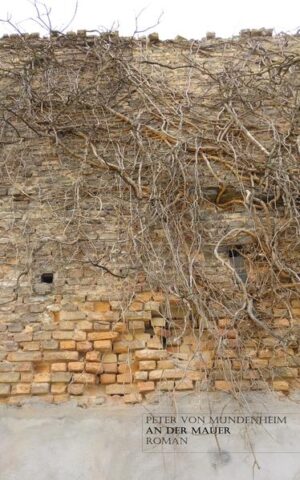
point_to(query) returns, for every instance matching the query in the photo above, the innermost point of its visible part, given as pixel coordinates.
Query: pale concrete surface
(105, 443)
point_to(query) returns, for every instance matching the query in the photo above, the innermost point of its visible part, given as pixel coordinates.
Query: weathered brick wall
(90, 332)
(88, 345)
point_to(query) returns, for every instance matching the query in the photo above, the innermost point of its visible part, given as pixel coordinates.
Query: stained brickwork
(78, 316)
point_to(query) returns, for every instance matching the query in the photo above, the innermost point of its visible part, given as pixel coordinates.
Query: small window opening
(238, 262)
(233, 253)
(47, 278)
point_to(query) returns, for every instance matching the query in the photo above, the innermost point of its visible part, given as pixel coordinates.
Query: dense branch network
(194, 155)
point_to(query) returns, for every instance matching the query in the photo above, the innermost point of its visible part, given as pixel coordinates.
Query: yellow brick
(26, 377)
(103, 345)
(75, 366)
(93, 367)
(266, 353)
(107, 378)
(125, 357)
(79, 336)
(22, 367)
(40, 388)
(141, 316)
(118, 389)
(61, 377)
(259, 362)
(240, 365)
(57, 356)
(136, 306)
(62, 335)
(151, 354)
(103, 335)
(190, 340)
(159, 297)
(41, 377)
(281, 322)
(21, 389)
(296, 303)
(85, 325)
(84, 346)
(24, 356)
(228, 353)
(110, 367)
(158, 322)
(31, 346)
(194, 375)
(101, 306)
(174, 373)
(136, 325)
(166, 385)
(144, 296)
(58, 388)
(76, 388)
(152, 307)
(124, 368)
(224, 322)
(104, 316)
(154, 343)
(121, 347)
(145, 386)
(87, 307)
(144, 337)
(270, 342)
(9, 377)
(124, 378)
(109, 358)
(278, 362)
(119, 327)
(84, 378)
(164, 364)
(250, 352)
(147, 365)
(279, 312)
(67, 345)
(23, 337)
(223, 385)
(281, 385)
(58, 367)
(93, 356)
(184, 384)
(4, 389)
(141, 376)
(251, 375)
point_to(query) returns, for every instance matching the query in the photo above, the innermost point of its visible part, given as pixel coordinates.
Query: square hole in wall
(47, 278)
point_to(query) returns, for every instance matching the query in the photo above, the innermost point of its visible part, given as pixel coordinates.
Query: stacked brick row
(96, 347)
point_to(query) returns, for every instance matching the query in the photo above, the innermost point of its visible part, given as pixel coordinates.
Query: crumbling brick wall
(80, 312)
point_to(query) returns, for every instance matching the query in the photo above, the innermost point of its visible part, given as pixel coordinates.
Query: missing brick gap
(47, 278)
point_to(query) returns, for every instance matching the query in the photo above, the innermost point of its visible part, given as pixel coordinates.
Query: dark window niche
(47, 278)
(238, 262)
(233, 253)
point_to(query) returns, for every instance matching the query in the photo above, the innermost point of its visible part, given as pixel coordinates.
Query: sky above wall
(188, 18)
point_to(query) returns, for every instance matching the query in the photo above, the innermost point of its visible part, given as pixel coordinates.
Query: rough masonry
(149, 213)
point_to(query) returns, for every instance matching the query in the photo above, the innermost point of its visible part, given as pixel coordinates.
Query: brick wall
(69, 327)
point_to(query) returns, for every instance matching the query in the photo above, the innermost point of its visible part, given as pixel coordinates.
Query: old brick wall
(69, 327)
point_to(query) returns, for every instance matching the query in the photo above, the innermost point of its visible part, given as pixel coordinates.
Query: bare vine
(187, 159)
